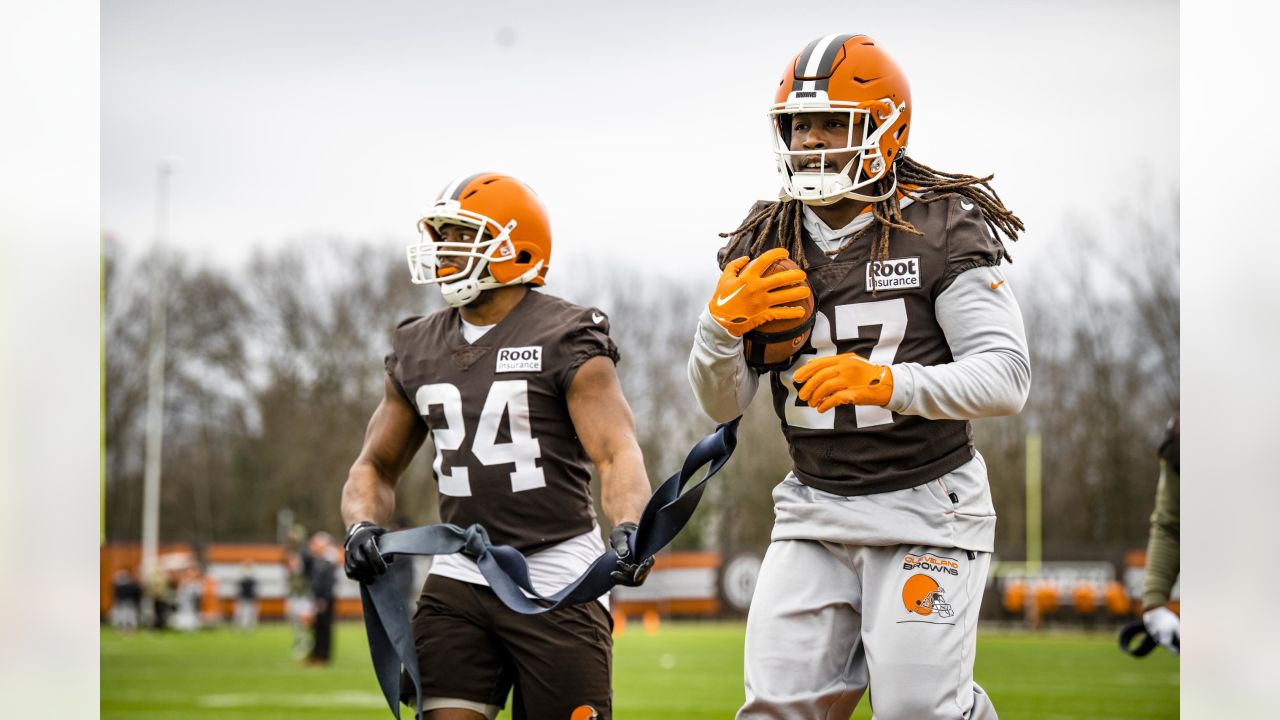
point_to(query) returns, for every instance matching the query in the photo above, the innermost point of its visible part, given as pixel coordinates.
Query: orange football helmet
(512, 244)
(843, 73)
(922, 595)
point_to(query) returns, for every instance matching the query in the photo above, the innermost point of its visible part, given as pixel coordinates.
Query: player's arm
(1162, 545)
(394, 434)
(718, 373)
(607, 430)
(991, 372)
(1162, 564)
(989, 376)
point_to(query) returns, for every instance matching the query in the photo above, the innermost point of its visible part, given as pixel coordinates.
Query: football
(773, 345)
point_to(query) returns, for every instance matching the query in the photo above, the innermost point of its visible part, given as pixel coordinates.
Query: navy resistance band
(386, 618)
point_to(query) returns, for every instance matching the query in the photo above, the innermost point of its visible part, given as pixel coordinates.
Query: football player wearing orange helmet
(884, 528)
(518, 391)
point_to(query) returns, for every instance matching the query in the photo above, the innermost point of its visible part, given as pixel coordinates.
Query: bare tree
(273, 372)
(326, 311)
(1102, 323)
(205, 367)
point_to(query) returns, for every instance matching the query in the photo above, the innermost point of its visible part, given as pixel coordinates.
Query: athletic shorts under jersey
(471, 647)
(506, 452)
(865, 449)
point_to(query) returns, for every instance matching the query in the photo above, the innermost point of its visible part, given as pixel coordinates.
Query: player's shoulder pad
(736, 246)
(415, 325)
(410, 331)
(971, 242)
(580, 333)
(570, 317)
(598, 319)
(409, 321)
(402, 343)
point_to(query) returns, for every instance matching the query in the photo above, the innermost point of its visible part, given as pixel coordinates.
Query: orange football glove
(744, 300)
(845, 379)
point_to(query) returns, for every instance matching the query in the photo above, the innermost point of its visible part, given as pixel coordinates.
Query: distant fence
(1084, 591)
(683, 584)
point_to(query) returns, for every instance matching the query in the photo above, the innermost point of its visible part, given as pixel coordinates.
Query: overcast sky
(641, 125)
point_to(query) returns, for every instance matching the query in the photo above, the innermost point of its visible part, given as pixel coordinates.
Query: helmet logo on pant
(922, 595)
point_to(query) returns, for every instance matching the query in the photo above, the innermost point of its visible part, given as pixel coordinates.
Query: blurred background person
(160, 591)
(320, 563)
(1162, 622)
(126, 600)
(246, 615)
(298, 607)
(210, 607)
(186, 616)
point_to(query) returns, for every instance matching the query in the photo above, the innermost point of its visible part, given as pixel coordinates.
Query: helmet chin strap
(871, 198)
(823, 202)
(461, 292)
(466, 290)
(529, 275)
(849, 194)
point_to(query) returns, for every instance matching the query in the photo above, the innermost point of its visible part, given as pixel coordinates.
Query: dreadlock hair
(755, 234)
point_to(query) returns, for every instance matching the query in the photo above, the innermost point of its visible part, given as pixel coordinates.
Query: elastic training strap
(1130, 632)
(757, 342)
(784, 335)
(386, 619)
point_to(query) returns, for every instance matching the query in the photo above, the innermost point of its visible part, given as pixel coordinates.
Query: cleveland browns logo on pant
(923, 595)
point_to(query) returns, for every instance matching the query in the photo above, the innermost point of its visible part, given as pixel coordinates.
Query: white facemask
(819, 185)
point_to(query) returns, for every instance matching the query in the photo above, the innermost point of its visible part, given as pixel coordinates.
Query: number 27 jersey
(857, 450)
(507, 455)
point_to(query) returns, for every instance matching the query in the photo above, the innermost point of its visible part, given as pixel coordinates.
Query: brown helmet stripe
(454, 189)
(815, 61)
(802, 61)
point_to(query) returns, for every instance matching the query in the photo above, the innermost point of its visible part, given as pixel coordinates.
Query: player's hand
(628, 573)
(363, 562)
(845, 379)
(744, 300)
(1164, 627)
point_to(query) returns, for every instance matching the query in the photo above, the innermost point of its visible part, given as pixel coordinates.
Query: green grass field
(687, 670)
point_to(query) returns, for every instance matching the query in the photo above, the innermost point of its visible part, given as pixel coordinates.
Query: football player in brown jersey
(518, 392)
(884, 528)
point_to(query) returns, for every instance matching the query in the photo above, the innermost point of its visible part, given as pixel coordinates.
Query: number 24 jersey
(507, 455)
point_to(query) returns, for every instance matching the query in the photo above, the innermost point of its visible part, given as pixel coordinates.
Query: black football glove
(363, 562)
(629, 574)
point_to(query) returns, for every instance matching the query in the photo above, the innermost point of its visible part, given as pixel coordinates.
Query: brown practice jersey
(857, 450)
(506, 452)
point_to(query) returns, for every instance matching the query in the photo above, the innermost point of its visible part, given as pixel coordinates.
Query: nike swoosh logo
(722, 300)
(965, 205)
(597, 318)
(996, 285)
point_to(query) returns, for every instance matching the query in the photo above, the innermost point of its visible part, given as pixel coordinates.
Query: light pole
(1033, 497)
(155, 381)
